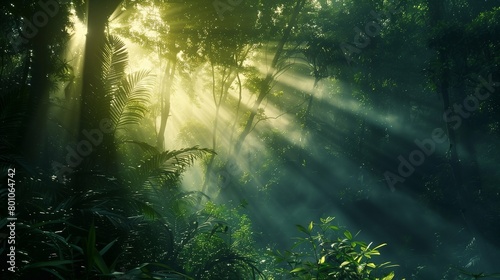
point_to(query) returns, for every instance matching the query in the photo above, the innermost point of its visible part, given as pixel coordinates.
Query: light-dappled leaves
(329, 253)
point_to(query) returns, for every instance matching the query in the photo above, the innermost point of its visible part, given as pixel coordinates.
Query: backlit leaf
(348, 234)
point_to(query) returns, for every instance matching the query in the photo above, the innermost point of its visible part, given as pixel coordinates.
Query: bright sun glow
(79, 29)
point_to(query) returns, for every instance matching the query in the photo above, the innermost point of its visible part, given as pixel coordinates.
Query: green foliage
(128, 105)
(127, 95)
(132, 224)
(161, 168)
(224, 249)
(328, 252)
(123, 214)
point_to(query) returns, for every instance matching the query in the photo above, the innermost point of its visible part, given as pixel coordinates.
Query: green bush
(327, 252)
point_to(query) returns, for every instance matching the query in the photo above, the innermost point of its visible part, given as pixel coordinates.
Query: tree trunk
(266, 84)
(226, 80)
(94, 106)
(165, 102)
(455, 188)
(444, 91)
(233, 128)
(436, 10)
(98, 13)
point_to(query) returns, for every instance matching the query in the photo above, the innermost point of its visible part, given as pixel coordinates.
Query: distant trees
(388, 70)
(31, 66)
(275, 67)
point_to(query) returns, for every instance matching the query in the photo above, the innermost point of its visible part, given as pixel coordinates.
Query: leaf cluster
(328, 252)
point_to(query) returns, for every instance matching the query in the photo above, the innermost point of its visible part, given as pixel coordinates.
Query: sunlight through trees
(192, 139)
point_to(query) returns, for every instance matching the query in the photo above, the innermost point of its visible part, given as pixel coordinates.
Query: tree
(36, 37)
(273, 70)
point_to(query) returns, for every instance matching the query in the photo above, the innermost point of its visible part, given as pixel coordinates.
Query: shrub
(327, 252)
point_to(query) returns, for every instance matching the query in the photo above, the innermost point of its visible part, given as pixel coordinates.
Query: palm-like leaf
(126, 95)
(166, 166)
(114, 58)
(130, 99)
(145, 147)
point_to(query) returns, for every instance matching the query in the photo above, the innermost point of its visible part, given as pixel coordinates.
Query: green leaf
(310, 226)
(166, 165)
(99, 262)
(322, 260)
(107, 247)
(333, 227)
(326, 220)
(348, 234)
(379, 246)
(145, 147)
(130, 100)
(301, 228)
(344, 263)
(389, 276)
(90, 245)
(297, 269)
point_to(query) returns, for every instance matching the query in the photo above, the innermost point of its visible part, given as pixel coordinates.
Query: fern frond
(129, 104)
(167, 165)
(145, 147)
(114, 56)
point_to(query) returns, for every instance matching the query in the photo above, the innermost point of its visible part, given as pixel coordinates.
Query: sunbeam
(260, 140)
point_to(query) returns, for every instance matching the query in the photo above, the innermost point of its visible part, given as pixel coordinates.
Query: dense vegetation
(195, 139)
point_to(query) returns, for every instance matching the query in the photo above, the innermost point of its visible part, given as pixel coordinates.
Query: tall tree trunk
(444, 91)
(306, 117)
(436, 11)
(166, 101)
(455, 188)
(239, 61)
(238, 105)
(98, 13)
(308, 112)
(227, 78)
(310, 98)
(94, 106)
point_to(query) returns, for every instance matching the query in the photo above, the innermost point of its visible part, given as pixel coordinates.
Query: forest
(250, 139)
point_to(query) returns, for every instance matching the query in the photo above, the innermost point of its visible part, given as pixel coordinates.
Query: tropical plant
(126, 217)
(196, 245)
(320, 255)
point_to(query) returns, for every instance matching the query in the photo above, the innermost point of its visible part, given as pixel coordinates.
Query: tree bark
(98, 12)
(94, 106)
